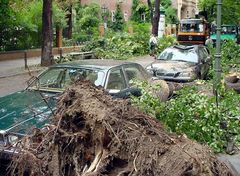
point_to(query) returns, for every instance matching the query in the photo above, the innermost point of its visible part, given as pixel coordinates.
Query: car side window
(133, 72)
(116, 80)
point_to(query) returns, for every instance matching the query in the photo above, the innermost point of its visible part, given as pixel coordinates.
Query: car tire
(232, 82)
(163, 93)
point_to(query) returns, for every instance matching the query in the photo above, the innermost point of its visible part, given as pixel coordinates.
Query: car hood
(173, 70)
(25, 109)
(172, 66)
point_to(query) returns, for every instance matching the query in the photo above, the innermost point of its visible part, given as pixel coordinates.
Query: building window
(104, 8)
(113, 16)
(143, 16)
(125, 16)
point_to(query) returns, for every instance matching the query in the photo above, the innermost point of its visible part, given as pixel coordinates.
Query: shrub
(197, 115)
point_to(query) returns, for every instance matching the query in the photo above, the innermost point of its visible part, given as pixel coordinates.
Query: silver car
(181, 63)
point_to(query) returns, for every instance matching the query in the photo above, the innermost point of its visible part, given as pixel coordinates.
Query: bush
(118, 46)
(230, 58)
(165, 42)
(197, 115)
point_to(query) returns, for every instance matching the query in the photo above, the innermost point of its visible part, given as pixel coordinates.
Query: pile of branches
(94, 134)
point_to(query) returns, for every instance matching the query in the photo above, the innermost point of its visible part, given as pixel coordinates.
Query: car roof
(94, 63)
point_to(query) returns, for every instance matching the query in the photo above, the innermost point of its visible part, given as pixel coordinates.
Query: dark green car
(20, 112)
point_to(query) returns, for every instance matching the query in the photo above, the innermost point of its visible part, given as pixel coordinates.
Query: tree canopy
(230, 10)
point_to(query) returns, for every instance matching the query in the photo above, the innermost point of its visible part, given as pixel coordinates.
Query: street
(13, 84)
(14, 78)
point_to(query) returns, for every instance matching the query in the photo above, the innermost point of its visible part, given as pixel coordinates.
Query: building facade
(185, 8)
(126, 6)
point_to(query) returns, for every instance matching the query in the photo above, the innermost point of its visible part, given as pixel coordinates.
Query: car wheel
(232, 82)
(163, 93)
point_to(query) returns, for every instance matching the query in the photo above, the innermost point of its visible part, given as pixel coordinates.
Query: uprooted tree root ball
(93, 134)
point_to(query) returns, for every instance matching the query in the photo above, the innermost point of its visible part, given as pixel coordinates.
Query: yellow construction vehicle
(192, 31)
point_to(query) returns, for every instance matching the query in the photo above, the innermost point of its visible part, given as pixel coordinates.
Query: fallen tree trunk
(93, 134)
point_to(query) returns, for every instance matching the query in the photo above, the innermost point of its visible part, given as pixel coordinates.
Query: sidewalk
(14, 67)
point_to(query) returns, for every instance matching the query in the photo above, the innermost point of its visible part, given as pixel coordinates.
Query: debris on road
(94, 134)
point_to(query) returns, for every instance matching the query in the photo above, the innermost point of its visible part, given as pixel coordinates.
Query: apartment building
(185, 8)
(110, 5)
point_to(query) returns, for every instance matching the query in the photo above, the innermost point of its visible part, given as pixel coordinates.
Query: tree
(155, 15)
(59, 19)
(138, 8)
(118, 17)
(230, 10)
(47, 34)
(5, 23)
(69, 6)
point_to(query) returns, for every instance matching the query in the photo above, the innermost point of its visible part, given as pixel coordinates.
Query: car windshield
(192, 27)
(57, 79)
(175, 54)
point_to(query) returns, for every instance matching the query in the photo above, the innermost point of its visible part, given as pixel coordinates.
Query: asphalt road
(11, 81)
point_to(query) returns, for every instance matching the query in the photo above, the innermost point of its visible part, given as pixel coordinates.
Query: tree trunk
(58, 37)
(151, 10)
(156, 18)
(68, 31)
(47, 34)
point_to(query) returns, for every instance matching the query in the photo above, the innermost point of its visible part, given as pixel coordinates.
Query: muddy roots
(93, 134)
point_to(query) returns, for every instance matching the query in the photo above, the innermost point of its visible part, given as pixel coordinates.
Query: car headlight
(185, 74)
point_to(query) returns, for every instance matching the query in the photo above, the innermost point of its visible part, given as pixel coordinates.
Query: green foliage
(118, 23)
(27, 33)
(22, 23)
(89, 18)
(138, 8)
(196, 115)
(230, 10)
(171, 15)
(230, 58)
(165, 42)
(170, 12)
(87, 23)
(124, 45)
(6, 23)
(121, 45)
(59, 16)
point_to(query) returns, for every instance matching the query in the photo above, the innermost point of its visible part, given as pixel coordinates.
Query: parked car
(181, 63)
(32, 107)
